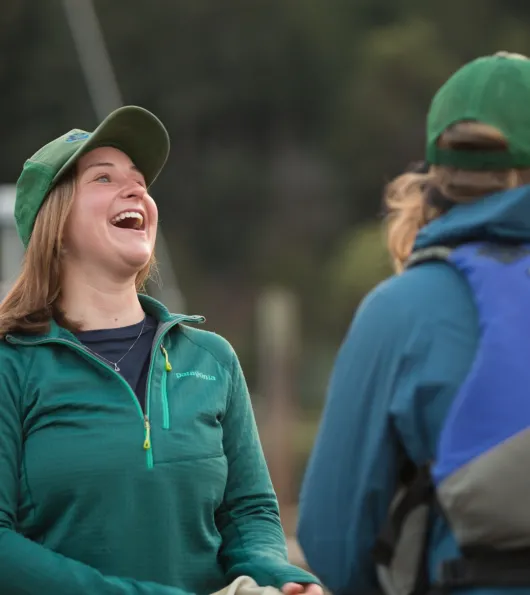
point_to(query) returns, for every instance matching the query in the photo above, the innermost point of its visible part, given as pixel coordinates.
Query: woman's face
(113, 222)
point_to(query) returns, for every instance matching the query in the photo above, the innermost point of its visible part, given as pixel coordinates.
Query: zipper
(165, 400)
(157, 344)
(147, 426)
(161, 331)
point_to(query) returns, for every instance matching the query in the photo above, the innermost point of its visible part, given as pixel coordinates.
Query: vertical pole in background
(105, 97)
(93, 56)
(278, 353)
(11, 249)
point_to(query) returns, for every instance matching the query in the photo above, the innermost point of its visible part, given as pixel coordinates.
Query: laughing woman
(129, 457)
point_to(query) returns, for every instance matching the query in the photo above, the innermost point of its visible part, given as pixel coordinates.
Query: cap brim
(135, 131)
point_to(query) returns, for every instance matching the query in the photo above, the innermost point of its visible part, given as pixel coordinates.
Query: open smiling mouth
(129, 220)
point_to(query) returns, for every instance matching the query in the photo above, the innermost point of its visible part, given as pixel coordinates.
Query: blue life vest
(480, 479)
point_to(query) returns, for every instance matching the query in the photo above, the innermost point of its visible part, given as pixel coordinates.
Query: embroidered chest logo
(197, 374)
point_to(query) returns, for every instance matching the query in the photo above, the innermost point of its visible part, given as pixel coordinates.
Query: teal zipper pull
(168, 363)
(147, 441)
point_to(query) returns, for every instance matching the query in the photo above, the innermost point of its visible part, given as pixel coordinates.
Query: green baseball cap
(133, 130)
(493, 90)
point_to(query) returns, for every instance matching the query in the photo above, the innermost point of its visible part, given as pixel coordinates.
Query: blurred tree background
(287, 117)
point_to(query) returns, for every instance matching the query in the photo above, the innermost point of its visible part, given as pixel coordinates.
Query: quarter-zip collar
(152, 307)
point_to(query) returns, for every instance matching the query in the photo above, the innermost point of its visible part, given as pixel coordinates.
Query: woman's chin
(133, 261)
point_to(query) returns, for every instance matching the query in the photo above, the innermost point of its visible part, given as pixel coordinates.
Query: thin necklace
(115, 364)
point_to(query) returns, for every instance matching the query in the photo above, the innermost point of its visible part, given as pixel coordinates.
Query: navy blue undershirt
(112, 344)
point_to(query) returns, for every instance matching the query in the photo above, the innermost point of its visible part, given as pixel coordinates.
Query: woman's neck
(100, 305)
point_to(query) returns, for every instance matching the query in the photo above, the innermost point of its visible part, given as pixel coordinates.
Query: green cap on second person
(493, 90)
(133, 130)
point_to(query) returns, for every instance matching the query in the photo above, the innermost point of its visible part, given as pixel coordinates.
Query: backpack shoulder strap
(428, 254)
(400, 550)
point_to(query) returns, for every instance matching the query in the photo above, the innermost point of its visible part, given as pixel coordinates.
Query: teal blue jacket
(98, 499)
(409, 348)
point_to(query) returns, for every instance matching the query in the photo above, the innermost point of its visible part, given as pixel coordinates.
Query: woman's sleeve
(249, 520)
(410, 343)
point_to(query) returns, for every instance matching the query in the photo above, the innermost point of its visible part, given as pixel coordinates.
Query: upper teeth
(131, 214)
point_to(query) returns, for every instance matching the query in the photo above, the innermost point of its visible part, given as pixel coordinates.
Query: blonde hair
(407, 197)
(34, 298)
